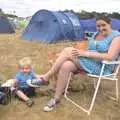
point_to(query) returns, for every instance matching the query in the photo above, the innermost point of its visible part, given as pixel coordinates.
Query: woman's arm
(113, 49)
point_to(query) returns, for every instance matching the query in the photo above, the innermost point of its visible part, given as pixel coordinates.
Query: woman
(105, 45)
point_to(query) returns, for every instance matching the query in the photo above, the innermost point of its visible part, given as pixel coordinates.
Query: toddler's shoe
(37, 82)
(29, 103)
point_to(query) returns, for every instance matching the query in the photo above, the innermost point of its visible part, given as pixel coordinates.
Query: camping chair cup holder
(112, 77)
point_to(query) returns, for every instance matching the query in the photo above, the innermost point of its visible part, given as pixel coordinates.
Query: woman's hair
(104, 17)
(26, 61)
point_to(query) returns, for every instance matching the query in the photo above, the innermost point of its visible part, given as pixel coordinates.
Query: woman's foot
(37, 82)
(51, 105)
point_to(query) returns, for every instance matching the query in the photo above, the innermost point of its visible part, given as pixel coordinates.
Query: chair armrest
(110, 62)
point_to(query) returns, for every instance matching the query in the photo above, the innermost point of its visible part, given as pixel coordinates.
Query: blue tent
(116, 24)
(48, 27)
(5, 25)
(88, 25)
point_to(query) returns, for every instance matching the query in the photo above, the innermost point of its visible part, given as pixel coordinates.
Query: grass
(12, 48)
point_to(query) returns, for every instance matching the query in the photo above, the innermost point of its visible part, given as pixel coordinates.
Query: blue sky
(26, 8)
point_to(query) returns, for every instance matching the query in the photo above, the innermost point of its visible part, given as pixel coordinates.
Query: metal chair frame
(112, 77)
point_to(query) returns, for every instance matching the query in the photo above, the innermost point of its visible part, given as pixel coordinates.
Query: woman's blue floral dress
(92, 65)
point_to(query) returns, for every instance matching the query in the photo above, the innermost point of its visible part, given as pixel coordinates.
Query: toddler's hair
(26, 61)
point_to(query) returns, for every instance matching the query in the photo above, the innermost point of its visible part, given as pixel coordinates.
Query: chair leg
(94, 95)
(95, 82)
(70, 100)
(117, 91)
(93, 99)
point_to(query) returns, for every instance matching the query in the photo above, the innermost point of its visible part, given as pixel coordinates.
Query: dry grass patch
(12, 48)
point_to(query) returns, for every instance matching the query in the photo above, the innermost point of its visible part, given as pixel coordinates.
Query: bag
(3, 98)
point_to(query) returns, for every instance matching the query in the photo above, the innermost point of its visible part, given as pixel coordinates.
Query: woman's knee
(67, 52)
(68, 66)
(67, 49)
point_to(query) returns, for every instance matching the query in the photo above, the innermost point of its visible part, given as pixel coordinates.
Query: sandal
(51, 105)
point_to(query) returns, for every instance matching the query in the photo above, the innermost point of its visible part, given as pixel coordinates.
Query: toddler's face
(25, 69)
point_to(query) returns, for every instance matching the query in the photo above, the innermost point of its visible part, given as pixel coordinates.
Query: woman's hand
(71, 52)
(77, 52)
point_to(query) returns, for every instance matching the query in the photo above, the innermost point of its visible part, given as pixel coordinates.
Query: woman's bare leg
(63, 76)
(64, 71)
(65, 55)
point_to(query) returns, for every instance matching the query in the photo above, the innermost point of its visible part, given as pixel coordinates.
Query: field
(12, 48)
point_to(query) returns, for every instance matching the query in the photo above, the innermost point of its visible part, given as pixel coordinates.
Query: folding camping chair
(112, 77)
